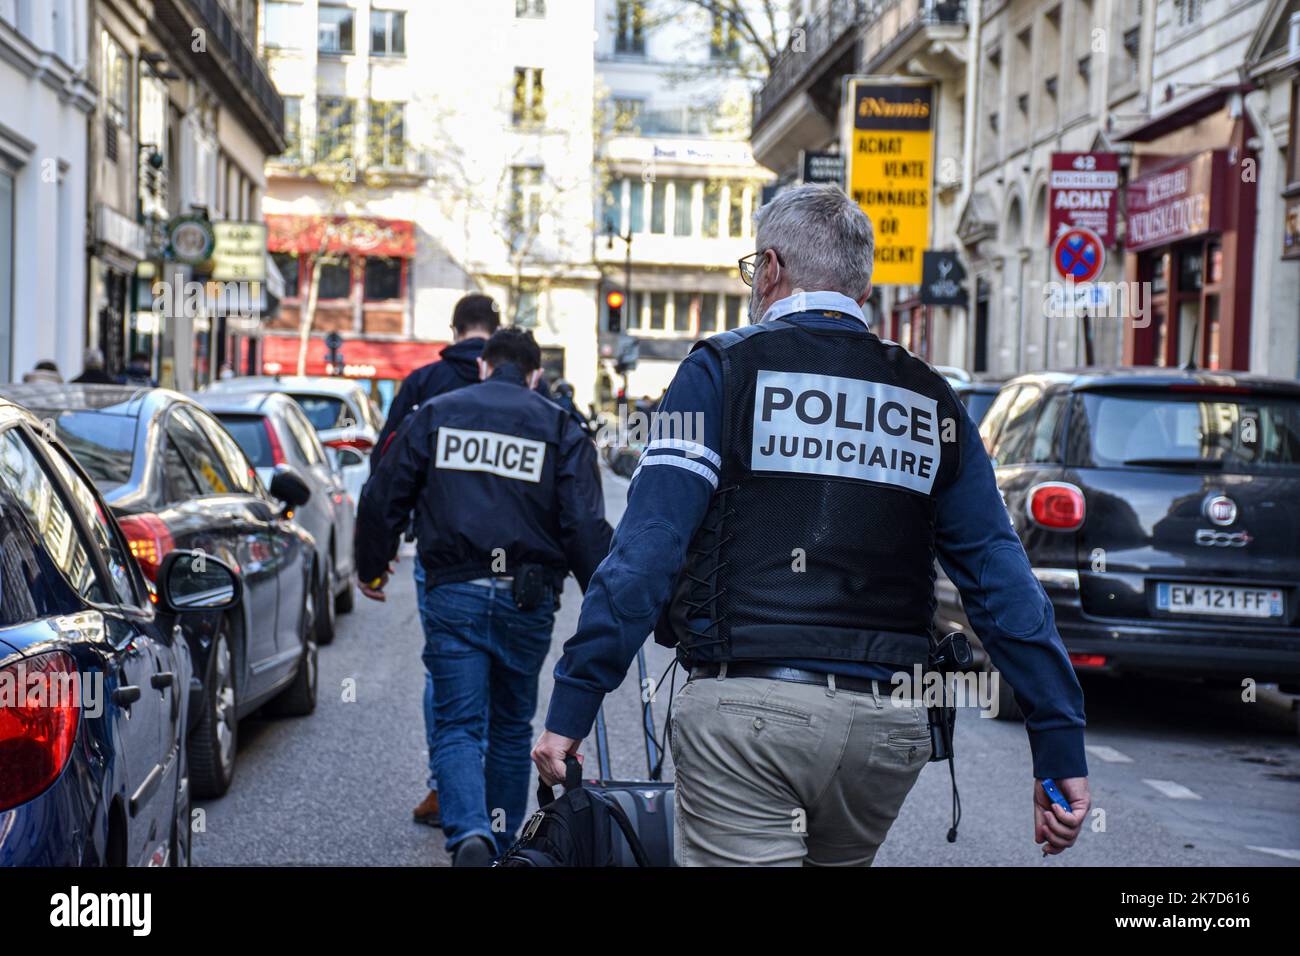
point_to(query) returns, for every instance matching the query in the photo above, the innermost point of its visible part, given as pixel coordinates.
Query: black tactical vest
(819, 540)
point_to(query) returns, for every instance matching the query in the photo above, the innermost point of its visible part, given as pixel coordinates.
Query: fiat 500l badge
(1220, 509)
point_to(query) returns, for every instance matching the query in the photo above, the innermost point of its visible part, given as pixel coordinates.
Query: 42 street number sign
(889, 142)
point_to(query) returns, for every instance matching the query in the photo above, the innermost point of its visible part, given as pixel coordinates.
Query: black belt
(794, 675)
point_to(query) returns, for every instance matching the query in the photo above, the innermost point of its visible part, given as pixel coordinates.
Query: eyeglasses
(749, 265)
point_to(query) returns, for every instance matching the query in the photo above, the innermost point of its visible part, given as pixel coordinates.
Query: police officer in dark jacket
(787, 549)
(507, 496)
(474, 318)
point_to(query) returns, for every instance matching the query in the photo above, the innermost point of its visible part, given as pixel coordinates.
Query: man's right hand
(549, 753)
(1053, 827)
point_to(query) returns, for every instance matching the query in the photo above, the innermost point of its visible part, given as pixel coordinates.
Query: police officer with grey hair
(788, 553)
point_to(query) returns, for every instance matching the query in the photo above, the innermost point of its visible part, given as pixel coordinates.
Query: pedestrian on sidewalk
(506, 491)
(44, 371)
(93, 372)
(788, 553)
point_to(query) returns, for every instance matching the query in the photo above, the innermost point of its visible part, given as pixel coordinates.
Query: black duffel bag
(582, 827)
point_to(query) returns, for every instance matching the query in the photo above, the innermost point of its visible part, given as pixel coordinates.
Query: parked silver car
(273, 431)
(339, 409)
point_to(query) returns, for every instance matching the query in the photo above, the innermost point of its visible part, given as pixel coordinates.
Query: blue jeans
(484, 655)
(429, 723)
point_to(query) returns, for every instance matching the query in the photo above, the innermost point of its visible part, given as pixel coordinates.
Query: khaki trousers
(774, 773)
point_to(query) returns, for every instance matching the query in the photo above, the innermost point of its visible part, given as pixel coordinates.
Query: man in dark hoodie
(473, 320)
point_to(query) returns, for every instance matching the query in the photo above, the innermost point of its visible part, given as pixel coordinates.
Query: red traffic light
(614, 300)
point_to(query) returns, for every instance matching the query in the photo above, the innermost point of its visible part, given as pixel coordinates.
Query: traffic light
(614, 299)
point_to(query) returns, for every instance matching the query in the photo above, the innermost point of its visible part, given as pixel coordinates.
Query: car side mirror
(288, 486)
(196, 581)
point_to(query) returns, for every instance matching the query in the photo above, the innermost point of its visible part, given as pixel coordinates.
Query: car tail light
(149, 539)
(1088, 660)
(356, 444)
(38, 724)
(277, 450)
(1057, 505)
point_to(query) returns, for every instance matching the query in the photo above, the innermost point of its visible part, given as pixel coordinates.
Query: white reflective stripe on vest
(704, 471)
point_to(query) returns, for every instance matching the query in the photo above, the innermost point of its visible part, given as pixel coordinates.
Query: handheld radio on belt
(948, 656)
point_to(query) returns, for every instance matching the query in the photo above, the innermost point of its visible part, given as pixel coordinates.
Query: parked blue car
(94, 670)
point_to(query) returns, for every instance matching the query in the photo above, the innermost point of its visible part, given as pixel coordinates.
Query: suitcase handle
(572, 781)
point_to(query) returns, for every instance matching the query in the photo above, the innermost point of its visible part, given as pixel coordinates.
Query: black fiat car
(1160, 509)
(175, 479)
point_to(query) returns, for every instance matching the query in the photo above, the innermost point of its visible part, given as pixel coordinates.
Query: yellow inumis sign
(890, 148)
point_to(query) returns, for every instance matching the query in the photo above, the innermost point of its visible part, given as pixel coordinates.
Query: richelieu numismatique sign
(890, 146)
(845, 428)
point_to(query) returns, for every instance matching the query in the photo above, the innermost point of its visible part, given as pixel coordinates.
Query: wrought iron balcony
(807, 52)
(230, 63)
(818, 44)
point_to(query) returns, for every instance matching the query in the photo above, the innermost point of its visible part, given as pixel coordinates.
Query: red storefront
(1190, 236)
(364, 295)
(362, 358)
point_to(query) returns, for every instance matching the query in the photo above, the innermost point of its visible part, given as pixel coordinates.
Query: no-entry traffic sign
(1079, 255)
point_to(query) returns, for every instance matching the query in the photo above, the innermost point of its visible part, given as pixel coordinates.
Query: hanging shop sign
(190, 239)
(1083, 190)
(240, 253)
(889, 142)
(943, 279)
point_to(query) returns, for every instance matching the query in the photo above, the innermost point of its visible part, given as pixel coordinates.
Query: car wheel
(1008, 709)
(345, 600)
(324, 610)
(299, 698)
(213, 740)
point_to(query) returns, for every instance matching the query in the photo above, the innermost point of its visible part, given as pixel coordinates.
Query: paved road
(1185, 775)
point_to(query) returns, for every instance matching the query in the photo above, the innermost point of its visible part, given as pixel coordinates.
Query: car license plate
(1213, 599)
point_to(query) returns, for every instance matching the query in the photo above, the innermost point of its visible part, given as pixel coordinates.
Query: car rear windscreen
(1210, 431)
(249, 433)
(103, 444)
(323, 411)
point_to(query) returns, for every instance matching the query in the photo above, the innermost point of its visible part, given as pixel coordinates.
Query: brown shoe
(428, 812)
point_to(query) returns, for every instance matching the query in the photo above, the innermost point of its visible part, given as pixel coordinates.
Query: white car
(343, 415)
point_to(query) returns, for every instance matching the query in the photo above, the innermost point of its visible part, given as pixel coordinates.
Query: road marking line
(1107, 754)
(1174, 791)
(1285, 854)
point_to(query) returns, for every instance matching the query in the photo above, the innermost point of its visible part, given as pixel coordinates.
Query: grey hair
(92, 358)
(824, 238)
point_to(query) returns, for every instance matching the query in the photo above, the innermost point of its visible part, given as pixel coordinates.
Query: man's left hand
(549, 753)
(375, 593)
(1055, 829)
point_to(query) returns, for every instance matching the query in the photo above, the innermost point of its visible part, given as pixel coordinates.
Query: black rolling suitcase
(589, 824)
(648, 803)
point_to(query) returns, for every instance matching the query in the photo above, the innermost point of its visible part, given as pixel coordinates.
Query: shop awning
(1196, 108)
(362, 358)
(360, 235)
